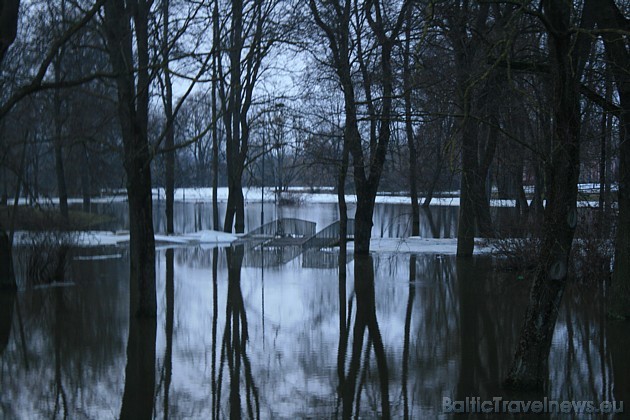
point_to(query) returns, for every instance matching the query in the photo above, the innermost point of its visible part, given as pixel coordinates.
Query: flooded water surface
(392, 335)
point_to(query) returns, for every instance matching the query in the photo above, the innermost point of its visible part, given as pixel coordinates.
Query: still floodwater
(233, 339)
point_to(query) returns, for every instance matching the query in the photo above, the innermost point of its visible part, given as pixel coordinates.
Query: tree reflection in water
(406, 344)
(138, 396)
(353, 382)
(234, 345)
(170, 314)
(215, 317)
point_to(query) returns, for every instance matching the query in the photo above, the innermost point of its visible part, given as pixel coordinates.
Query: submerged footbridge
(278, 242)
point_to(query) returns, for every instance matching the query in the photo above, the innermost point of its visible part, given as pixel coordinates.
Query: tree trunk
(343, 206)
(4, 197)
(529, 369)
(363, 222)
(59, 170)
(133, 113)
(343, 260)
(215, 137)
(235, 213)
(58, 122)
(170, 135)
(8, 24)
(466, 226)
(142, 240)
(413, 155)
(8, 30)
(85, 180)
(7, 303)
(7, 277)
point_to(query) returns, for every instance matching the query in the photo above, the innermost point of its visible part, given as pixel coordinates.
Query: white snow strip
(303, 194)
(97, 257)
(100, 238)
(418, 245)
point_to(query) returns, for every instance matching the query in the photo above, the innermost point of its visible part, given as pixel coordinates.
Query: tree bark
(170, 135)
(7, 303)
(58, 142)
(133, 113)
(7, 277)
(472, 188)
(413, 154)
(529, 369)
(86, 189)
(215, 135)
(8, 24)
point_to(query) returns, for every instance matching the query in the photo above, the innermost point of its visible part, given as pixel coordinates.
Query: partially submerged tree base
(530, 369)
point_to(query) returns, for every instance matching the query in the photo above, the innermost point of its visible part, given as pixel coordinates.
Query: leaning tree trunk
(529, 369)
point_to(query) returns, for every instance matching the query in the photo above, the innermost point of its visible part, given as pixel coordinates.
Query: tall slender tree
(249, 40)
(8, 32)
(334, 19)
(169, 142)
(132, 81)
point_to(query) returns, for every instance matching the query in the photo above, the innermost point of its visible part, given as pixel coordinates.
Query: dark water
(398, 335)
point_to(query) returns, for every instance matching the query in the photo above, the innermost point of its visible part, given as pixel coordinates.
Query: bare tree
(8, 31)
(250, 38)
(568, 53)
(132, 81)
(334, 19)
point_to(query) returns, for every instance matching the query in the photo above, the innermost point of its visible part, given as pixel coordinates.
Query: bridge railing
(329, 236)
(285, 227)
